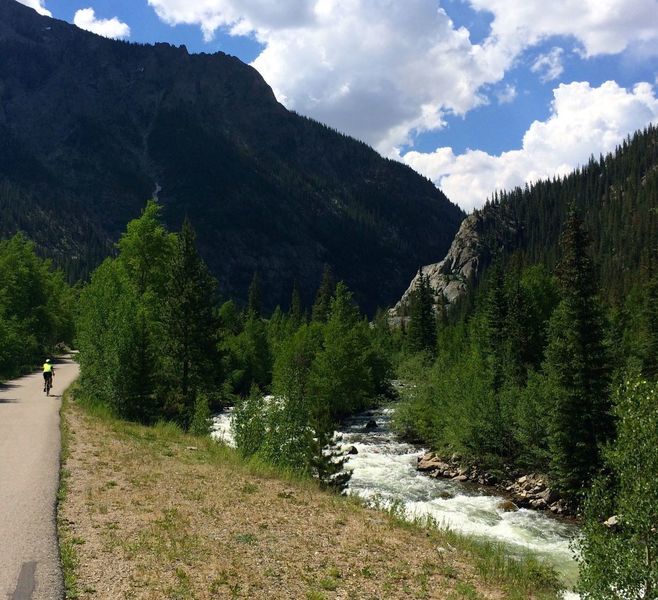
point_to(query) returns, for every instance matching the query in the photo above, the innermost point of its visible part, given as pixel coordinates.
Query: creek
(384, 474)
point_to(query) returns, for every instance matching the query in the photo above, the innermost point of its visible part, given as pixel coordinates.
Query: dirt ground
(153, 513)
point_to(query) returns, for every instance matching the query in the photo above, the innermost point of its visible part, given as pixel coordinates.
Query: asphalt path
(29, 478)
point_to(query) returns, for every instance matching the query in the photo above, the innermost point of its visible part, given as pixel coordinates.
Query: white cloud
(607, 27)
(549, 65)
(384, 71)
(111, 28)
(37, 5)
(376, 69)
(584, 121)
(241, 16)
(507, 94)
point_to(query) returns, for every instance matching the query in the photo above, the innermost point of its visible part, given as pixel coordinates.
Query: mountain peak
(89, 127)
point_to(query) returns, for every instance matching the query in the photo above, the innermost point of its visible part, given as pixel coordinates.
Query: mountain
(91, 127)
(616, 194)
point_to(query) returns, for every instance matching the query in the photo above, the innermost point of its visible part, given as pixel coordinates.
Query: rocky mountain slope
(90, 127)
(618, 198)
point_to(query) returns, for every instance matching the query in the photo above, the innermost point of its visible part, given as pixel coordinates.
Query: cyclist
(48, 374)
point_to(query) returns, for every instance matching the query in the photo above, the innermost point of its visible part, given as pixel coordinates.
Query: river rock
(370, 425)
(351, 450)
(612, 522)
(507, 506)
(537, 503)
(460, 478)
(429, 462)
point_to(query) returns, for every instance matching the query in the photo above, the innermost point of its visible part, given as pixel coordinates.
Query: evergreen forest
(550, 366)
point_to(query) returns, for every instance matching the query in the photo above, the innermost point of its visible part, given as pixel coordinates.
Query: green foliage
(200, 424)
(36, 307)
(421, 331)
(248, 422)
(322, 304)
(322, 372)
(620, 560)
(191, 361)
(146, 325)
(577, 367)
(255, 297)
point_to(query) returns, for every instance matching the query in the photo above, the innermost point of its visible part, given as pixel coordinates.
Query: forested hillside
(615, 194)
(550, 366)
(91, 127)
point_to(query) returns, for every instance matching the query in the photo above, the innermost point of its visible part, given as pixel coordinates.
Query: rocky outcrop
(525, 491)
(480, 235)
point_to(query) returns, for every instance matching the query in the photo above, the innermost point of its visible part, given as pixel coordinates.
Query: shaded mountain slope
(90, 127)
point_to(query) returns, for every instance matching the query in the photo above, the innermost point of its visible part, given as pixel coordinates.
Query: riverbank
(528, 490)
(151, 512)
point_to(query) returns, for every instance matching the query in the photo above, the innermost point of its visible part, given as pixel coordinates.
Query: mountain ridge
(90, 127)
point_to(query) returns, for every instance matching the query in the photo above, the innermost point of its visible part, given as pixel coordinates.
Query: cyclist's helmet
(47, 360)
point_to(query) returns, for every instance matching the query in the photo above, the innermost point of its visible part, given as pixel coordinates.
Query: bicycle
(48, 384)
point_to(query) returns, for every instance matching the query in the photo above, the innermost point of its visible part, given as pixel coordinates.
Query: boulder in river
(370, 425)
(351, 450)
(507, 506)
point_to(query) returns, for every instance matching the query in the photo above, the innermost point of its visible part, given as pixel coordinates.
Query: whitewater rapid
(384, 474)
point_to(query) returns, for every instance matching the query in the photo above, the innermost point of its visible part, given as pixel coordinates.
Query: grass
(152, 512)
(67, 541)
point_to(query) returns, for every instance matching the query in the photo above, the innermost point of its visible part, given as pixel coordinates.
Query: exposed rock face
(469, 253)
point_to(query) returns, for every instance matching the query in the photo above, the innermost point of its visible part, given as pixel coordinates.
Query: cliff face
(90, 127)
(469, 253)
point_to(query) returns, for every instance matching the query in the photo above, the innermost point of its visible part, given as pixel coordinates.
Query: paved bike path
(29, 478)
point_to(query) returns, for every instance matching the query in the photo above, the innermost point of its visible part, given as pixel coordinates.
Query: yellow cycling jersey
(47, 368)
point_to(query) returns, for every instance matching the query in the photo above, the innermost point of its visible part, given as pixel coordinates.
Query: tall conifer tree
(190, 323)
(322, 304)
(255, 300)
(577, 367)
(421, 331)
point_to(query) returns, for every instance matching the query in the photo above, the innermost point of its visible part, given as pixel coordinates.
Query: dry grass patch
(159, 514)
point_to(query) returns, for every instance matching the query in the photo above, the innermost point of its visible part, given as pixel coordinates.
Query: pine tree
(322, 304)
(649, 334)
(576, 365)
(255, 301)
(341, 377)
(190, 325)
(296, 311)
(422, 328)
(495, 316)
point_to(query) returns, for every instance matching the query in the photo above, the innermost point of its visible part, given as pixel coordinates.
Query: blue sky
(475, 94)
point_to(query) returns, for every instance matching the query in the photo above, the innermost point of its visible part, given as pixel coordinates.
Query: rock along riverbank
(530, 490)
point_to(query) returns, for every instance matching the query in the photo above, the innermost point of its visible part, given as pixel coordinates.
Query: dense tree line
(155, 343)
(551, 365)
(36, 307)
(616, 196)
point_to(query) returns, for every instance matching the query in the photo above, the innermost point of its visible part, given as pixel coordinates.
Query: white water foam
(220, 428)
(384, 473)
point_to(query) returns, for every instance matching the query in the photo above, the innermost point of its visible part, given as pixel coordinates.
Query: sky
(477, 95)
